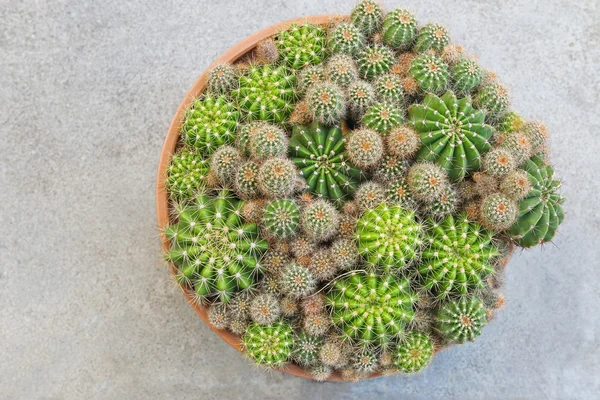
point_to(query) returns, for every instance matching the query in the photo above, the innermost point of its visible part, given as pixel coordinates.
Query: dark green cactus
(432, 36)
(374, 61)
(413, 353)
(399, 29)
(367, 16)
(430, 72)
(461, 319)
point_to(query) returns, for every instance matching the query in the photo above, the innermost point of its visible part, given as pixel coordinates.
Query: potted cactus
(339, 195)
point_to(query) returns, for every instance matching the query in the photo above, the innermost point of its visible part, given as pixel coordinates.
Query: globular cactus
(430, 72)
(390, 169)
(510, 122)
(537, 134)
(382, 117)
(186, 174)
(399, 29)
(322, 265)
(225, 163)
(217, 252)
(369, 195)
(321, 373)
(493, 99)
(453, 134)
(389, 237)
(266, 142)
(374, 61)
(274, 261)
(266, 93)
(540, 212)
(426, 181)
(301, 45)
(302, 115)
(269, 345)
(367, 16)
(319, 220)
(457, 257)
(344, 253)
(466, 76)
(251, 210)
(303, 246)
(403, 141)
(516, 184)
(222, 78)
(265, 309)
(345, 38)
(413, 353)
(218, 316)
(388, 88)
(310, 76)
(453, 54)
(332, 354)
(432, 37)
(364, 148)
(245, 131)
(210, 122)
(484, 184)
(317, 324)
(360, 95)
(326, 102)
(297, 281)
(519, 146)
(398, 192)
(239, 305)
(364, 360)
(266, 52)
(306, 349)
(498, 162)
(444, 204)
(461, 319)
(276, 177)
(238, 326)
(320, 154)
(498, 212)
(371, 308)
(341, 70)
(246, 180)
(280, 218)
(402, 64)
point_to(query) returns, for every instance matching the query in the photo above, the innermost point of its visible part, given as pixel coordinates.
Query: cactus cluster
(346, 196)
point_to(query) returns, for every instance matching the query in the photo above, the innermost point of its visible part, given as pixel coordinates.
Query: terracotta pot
(169, 146)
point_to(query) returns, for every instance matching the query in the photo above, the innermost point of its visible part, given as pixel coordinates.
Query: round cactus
(265, 309)
(453, 134)
(246, 180)
(493, 99)
(310, 76)
(266, 52)
(458, 256)
(268, 141)
(239, 305)
(399, 29)
(217, 252)
(453, 54)
(516, 184)
(390, 169)
(274, 261)
(388, 88)
(297, 281)
(365, 148)
(519, 146)
(388, 236)
(344, 253)
(466, 76)
(444, 204)
(510, 122)
(432, 36)
(276, 177)
(319, 152)
(332, 354)
(369, 195)
(301, 45)
(306, 349)
(430, 72)
(320, 220)
(321, 373)
(398, 192)
(222, 78)
(403, 141)
(302, 115)
(413, 353)
(426, 181)
(317, 324)
(498, 212)
(210, 122)
(367, 16)
(365, 360)
(382, 117)
(341, 70)
(266, 93)
(186, 174)
(322, 265)
(537, 134)
(540, 212)
(345, 38)
(271, 345)
(360, 96)
(326, 102)
(371, 308)
(461, 320)
(225, 163)
(238, 326)
(218, 316)
(280, 218)
(243, 137)
(498, 162)
(374, 61)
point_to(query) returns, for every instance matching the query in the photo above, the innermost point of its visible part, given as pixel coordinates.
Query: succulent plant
(222, 78)
(301, 45)
(388, 88)
(426, 181)
(306, 349)
(461, 319)
(322, 265)
(516, 184)
(432, 36)
(331, 354)
(265, 309)
(369, 195)
(457, 257)
(388, 236)
(367, 16)
(360, 95)
(218, 316)
(310, 76)
(399, 29)
(210, 122)
(466, 76)
(374, 61)
(276, 177)
(281, 218)
(217, 252)
(398, 192)
(317, 324)
(540, 212)
(269, 345)
(453, 134)
(444, 204)
(413, 353)
(225, 163)
(246, 180)
(344, 253)
(493, 99)
(382, 117)
(430, 72)
(498, 162)
(297, 281)
(266, 93)
(321, 373)
(345, 38)
(498, 212)
(320, 220)
(371, 308)
(403, 141)
(266, 52)
(390, 169)
(364, 148)
(365, 360)
(186, 174)
(510, 122)
(341, 70)
(519, 146)
(326, 102)
(266, 142)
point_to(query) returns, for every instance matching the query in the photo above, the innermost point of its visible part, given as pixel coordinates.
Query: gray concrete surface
(87, 91)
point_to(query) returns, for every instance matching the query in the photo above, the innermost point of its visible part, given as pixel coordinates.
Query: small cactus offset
(345, 197)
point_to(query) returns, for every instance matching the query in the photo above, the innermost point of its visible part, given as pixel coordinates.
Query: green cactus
(266, 93)
(430, 72)
(218, 316)
(186, 174)
(498, 212)
(466, 76)
(222, 78)
(239, 305)
(225, 163)
(243, 137)
(326, 102)
(403, 142)
(321, 373)
(306, 349)
(399, 29)
(537, 134)
(320, 220)
(493, 99)
(388, 87)
(519, 146)
(390, 169)
(364, 360)
(217, 252)
(426, 181)
(246, 180)
(540, 212)
(301, 45)
(453, 134)
(398, 192)
(210, 122)
(374, 61)
(367, 16)
(457, 257)
(432, 36)
(369, 195)
(270, 345)
(498, 162)
(382, 117)
(276, 177)
(516, 184)
(371, 308)
(344, 253)
(444, 204)
(461, 319)
(341, 70)
(510, 122)
(297, 281)
(365, 148)
(281, 218)
(310, 76)
(388, 236)
(360, 95)
(265, 309)
(319, 152)
(413, 353)
(345, 38)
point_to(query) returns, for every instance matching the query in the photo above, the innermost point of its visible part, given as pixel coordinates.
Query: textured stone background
(87, 91)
